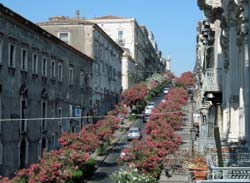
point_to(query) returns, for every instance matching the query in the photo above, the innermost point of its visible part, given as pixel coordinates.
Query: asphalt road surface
(110, 164)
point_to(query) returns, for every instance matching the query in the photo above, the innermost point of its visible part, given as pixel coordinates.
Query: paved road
(110, 165)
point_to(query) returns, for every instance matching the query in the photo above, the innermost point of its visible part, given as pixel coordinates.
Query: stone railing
(212, 80)
(232, 159)
(228, 174)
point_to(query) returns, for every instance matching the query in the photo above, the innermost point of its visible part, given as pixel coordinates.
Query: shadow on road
(99, 176)
(105, 164)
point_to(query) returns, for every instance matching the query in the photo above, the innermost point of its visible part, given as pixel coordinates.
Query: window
(59, 112)
(1, 53)
(24, 59)
(1, 153)
(60, 71)
(44, 115)
(53, 141)
(64, 36)
(53, 69)
(23, 153)
(0, 113)
(35, 63)
(120, 36)
(12, 55)
(71, 75)
(23, 108)
(42, 146)
(81, 79)
(44, 67)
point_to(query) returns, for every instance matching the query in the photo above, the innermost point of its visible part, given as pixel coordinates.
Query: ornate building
(44, 82)
(231, 56)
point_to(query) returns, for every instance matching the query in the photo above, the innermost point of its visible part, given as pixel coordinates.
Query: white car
(134, 133)
(165, 90)
(148, 109)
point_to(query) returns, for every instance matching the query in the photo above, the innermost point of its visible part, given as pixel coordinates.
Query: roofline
(28, 24)
(107, 36)
(97, 27)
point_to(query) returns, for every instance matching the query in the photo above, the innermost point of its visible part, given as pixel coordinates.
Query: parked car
(134, 133)
(165, 90)
(148, 109)
(123, 153)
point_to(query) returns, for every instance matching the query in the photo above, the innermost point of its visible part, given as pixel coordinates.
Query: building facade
(43, 82)
(90, 39)
(223, 65)
(130, 35)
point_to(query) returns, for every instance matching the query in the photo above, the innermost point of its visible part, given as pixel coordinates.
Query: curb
(110, 148)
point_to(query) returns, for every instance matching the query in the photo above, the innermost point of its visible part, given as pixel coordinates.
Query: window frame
(53, 69)
(35, 63)
(60, 71)
(71, 75)
(12, 62)
(1, 153)
(81, 79)
(26, 152)
(53, 141)
(120, 36)
(23, 122)
(24, 61)
(44, 66)
(68, 36)
(44, 115)
(1, 51)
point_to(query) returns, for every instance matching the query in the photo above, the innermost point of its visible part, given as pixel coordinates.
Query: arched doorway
(23, 154)
(43, 146)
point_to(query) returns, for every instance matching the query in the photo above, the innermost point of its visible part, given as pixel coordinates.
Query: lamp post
(192, 130)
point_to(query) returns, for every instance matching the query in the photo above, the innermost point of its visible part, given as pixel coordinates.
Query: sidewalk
(186, 146)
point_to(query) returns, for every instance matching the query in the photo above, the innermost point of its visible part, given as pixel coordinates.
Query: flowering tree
(185, 80)
(134, 94)
(159, 131)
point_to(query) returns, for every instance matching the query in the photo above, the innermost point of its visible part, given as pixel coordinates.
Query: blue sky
(173, 22)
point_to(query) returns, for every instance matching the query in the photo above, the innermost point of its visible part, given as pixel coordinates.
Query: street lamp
(193, 132)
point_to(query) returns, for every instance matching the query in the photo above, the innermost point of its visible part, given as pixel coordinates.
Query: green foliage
(132, 117)
(76, 176)
(89, 167)
(102, 149)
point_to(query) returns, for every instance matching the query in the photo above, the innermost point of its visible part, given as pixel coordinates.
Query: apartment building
(136, 39)
(91, 40)
(43, 82)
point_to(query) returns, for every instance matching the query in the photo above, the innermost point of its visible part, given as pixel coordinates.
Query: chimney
(78, 14)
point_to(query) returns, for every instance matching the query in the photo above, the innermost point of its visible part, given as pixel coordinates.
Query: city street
(110, 165)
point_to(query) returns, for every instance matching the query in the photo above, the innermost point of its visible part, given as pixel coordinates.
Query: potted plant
(198, 165)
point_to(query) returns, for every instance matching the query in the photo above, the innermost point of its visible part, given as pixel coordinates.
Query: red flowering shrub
(55, 166)
(185, 80)
(160, 138)
(134, 94)
(85, 140)
(105, 128)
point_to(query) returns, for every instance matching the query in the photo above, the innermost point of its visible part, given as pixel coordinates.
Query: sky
(173, 22)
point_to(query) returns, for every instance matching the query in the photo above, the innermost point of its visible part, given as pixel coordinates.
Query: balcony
(212, 80)
(230, 173)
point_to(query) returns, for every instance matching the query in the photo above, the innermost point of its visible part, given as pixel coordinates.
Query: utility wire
(81, 117)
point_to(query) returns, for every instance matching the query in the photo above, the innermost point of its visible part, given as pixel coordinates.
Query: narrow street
(110, 165)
